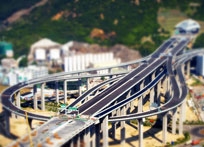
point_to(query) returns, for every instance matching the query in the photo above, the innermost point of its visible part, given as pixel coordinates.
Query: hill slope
(119, 21)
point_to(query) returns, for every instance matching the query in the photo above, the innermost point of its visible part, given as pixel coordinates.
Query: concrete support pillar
(113, 129)
(167, 95)
(88, 85)
(65, 91)
(57, 91)
(140, 104)
(109, 70)
(132, 105)
(82, 141)
(158, 93)
(128, 68)
(76, 141)
(113, 113)
(42, 97)
(153, 75)
(184, 110)
(93, 136)
(140, 100)
(87, 137)
(188, 69)
(105, 131)
(118, 112)
(140, 127)
(174, 118)
(35, 98)
(164, 129)
(152, 95)
(71, 143)
(181, 120)
(164, 85)
(122, 128)
(18, 99)
(80, 88)
(183, 68)
(7, 115)
(97, 132)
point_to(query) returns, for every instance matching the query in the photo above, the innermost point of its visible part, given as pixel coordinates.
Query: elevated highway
(162, 69)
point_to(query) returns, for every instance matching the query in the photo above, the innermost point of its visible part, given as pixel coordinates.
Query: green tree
(199, 41)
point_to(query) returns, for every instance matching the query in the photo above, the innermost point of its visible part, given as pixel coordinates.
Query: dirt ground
(152, 137)
(19, 127)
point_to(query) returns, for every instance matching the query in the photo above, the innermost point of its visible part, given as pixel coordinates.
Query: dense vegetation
(8, 7)
(199, 41)
(130, 23)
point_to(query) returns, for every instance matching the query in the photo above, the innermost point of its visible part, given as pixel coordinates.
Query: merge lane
(84, 95)
(165, 45)
(98, 106)
(162, 49)
(174, 101)
(110, 89)
(7, 103)
(126, 78)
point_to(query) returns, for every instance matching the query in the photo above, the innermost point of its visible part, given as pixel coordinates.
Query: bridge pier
(140, 99)
(174, 118)
(128, 68)
(184, 110)
(167, 88)
(93, 135)
(188, 68)
(152, 95)
(98, 134)
(18, 99)
(42, 97)
(158, 93)
(35, 98)
(140, 127)
(87, 137)
(105, 131)
(88, 83)
(109, 70)
(181, 118)
(57, 91)
(113, 129)
(65, 92)
(164, 128)
(122, 128)
(80, 88)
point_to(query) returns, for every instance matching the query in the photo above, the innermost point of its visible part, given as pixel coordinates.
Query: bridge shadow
(4, 125)
(156, 128)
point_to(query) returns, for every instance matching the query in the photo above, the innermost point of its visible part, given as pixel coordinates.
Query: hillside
(124, 22)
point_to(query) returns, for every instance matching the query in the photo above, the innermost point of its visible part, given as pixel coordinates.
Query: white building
(188, 26)
(15, 76)
(45, 51)
(85, 61)
(200, 65)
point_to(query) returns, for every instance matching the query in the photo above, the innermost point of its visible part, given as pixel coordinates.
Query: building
(6, 49)
(188, 26)
(8, 63)
(200, 65)
(90, 60)
(45, 52)
(17, 75)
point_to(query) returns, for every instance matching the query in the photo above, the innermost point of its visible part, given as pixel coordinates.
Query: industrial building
(188, 26)
(14, 76)
(84, 61)
(6, 49)
(45, 51)
(71, 56)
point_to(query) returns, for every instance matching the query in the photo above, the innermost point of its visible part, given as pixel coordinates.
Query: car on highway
(27, 96)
